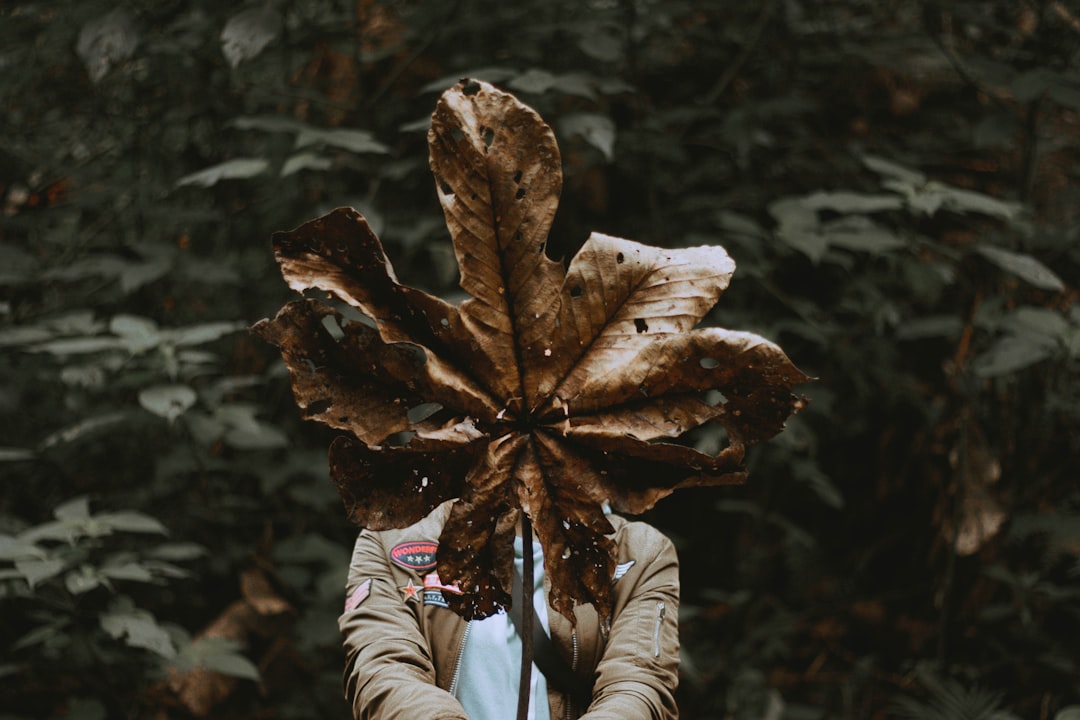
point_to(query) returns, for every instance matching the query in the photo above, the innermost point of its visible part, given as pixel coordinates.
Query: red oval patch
(416, 555)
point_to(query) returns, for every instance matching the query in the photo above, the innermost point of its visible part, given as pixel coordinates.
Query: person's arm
(639, 671)
(388, 668)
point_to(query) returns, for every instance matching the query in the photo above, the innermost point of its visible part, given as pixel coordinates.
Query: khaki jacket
(402, 647)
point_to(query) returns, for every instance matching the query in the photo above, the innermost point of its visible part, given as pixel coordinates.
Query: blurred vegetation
(897, 182)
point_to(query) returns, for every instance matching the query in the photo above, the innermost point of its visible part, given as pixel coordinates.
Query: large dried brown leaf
(550, 391)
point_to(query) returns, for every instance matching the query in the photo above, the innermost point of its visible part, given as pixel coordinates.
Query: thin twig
(526, 633)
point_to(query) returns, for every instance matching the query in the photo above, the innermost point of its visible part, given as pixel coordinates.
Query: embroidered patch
(410, 592)
(358, 596)
(432, 582)
(418, 555)
(436, 598)
(622, 568)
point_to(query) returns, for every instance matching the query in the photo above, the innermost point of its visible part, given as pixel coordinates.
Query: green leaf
(12, 454)
(305, 161)
(204, 333)
(356, 141)
(219, 654)
(132, 522)
(78, 346)
(37, 570)
(177, 552)
(137, 628)
(1008, 355)
(247, 34)
(13, 548)
(167, 401)
(75, 509)
(889, 169)
(106, 41)
(943, 326)
(268, 123)
(83, 580)
(851, 202)
(25, 335)
(138, 334)
(82, 429)
(1072, 712)
(1023, 266)
(236, 169)
(596, 129)
(132, 571)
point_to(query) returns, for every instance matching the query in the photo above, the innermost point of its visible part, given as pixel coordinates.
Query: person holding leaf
(553, 390)
(409, 655)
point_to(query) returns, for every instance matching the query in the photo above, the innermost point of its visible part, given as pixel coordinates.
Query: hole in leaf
(400, 439)
(541, 248)
(422, 412)
(620, 258)
(446, 189)
(641, 325)
(576, 291)
(445, 322)
(318, 407)
(708, 363)
(489, 136)
(715, 398)
(330, 324)
(519, 194)
(517, 176)
(471, 88)
(456, 134)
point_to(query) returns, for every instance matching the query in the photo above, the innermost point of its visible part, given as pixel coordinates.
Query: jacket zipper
(457, 662)
(661, 610)
(568, 701)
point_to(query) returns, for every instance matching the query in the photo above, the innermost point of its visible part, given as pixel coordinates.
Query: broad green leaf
(15, 548)
(1023, 266)
(168, 401)
(74, 509)
(1010, 354)
(79, 346)
(967, 201)
(231, 664)
(82, 429)
(247, 33)
(139, 334)
(132, 571)
(106, 41)
(25, 335)
(851, 202)
(204, 333)
(1072, 712)
(356, 141)
(943, 326)
(257, 436)
(12, 454)
(596, 129)
(177, 551)
(137, 628)
(305, 161)
(83, 580)
(890, 169)
(269, 123)
(1040, 322)
(236, 169)
(38, 570)
(131, 521)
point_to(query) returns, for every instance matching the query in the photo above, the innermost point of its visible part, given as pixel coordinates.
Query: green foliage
(896, 182)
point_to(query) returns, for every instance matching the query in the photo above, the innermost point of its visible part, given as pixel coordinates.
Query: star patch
(358, 596)
(410, 592)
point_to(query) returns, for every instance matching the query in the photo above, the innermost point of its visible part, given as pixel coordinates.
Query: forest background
(896, 181)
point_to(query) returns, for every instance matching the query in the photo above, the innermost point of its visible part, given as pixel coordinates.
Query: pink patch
(358, 596)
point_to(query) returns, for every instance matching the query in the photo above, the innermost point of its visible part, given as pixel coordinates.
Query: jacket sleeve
(639, 670)
(389, 673)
